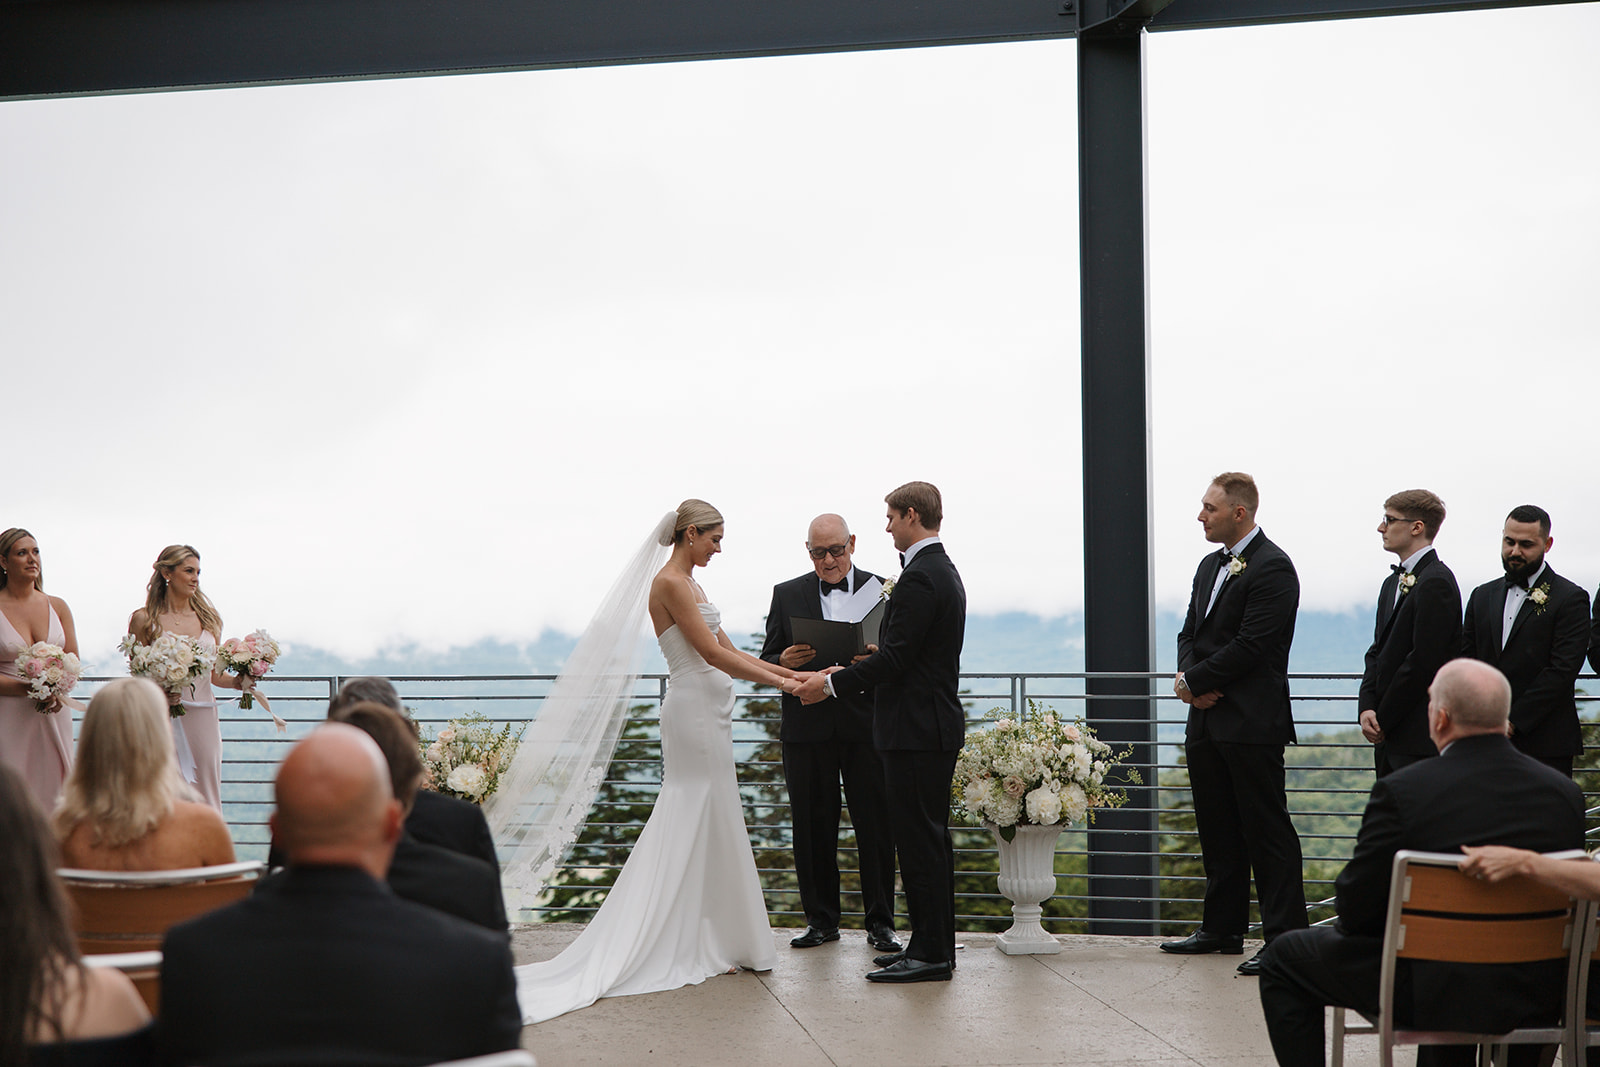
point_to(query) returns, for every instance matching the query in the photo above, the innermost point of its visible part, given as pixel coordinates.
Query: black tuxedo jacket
(452, 823)
(1411, 641)
(328, 966)
(1481, 791)
(1242, 647)
(458, 885)
(1594, 635)
(915, 676)
(848, 718)
(1542, 659)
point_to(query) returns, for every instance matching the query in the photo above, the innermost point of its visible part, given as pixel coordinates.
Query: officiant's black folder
(837, 643)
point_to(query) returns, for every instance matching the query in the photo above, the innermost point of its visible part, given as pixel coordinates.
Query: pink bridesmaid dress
(198, 734)
(38, 747)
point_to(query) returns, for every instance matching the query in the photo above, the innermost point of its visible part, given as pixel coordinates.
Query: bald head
(335, 804)
(1467, 697)
(827, 530)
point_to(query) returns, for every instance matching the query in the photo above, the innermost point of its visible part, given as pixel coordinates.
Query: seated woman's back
(102, 1020)
(192, 835)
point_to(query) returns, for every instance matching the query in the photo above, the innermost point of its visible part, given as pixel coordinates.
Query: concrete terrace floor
(1101, 1002)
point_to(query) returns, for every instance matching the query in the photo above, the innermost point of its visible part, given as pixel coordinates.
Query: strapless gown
(198, 736)
(38, 747)
(687, 904)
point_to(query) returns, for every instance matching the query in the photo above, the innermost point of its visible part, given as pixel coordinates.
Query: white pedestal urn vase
(1028, 879)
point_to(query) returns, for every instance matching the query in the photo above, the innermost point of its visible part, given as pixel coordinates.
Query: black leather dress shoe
(813, 937)
(910, 970)
(1251, 968)
(883, 940)
(1200, 942)
(890, 959)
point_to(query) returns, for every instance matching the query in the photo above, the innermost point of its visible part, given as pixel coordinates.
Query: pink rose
(1014, 786)
(258, 667)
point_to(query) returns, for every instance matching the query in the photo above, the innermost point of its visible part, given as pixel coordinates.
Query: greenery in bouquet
(468, 757)
(1036, 772)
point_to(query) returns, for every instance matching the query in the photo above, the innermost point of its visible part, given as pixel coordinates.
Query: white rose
(468, 780)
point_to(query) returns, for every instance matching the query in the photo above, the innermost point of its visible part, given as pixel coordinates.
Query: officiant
(830, 743)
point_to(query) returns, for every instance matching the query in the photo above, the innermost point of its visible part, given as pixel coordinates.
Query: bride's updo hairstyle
(696, 513)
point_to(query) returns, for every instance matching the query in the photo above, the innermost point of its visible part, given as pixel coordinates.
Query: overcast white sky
(426, 359)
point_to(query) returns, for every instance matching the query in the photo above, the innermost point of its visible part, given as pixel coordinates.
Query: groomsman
(1233, 663)
(1534, 625)
(825, 743)
(918, 726)
(1418, 630)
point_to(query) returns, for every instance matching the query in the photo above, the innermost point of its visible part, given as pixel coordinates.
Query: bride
(687, 904)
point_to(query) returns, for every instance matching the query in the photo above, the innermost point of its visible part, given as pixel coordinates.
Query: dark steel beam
(62, 47)
(1119, 615)
(1212, 14)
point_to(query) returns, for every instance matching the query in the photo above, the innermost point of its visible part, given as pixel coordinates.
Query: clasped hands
(811, 686)
(1199, 700)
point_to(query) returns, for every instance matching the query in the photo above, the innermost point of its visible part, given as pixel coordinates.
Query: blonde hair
(7, 540)
(125, 778)
(696, 513)
(155, 597)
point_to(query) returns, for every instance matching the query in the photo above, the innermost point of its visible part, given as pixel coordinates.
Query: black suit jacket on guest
(915, 676)
(1594, 635)
(458, 885)
(452, 823)
(1412, 639)
(1542, 659)
(1242, 647)
(328, 966)
(1481, 791)
(848, 718)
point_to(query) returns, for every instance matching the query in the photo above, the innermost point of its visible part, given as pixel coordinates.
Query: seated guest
(53, 1009)
(125, 807)
(1479, 791)
(435, 819)
(326, 964)
(465, 887)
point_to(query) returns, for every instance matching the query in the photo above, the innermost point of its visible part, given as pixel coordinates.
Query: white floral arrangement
(888, 589)
(1408, 582)
(249, 659)
(50, 672)
(173, 662)
(1236, 565)
(468, 757)
(1540, 596)
(1036, 772)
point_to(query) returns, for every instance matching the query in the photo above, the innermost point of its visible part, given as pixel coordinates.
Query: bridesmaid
(37, 744)
(174, 604)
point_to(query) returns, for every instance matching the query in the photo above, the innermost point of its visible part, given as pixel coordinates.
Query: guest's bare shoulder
(111, 1004)
(204, 831)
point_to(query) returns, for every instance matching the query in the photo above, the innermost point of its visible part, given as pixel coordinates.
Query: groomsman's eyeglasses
(1394, 520)
(836, 551)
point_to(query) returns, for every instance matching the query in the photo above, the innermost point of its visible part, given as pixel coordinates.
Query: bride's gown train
(687, 904)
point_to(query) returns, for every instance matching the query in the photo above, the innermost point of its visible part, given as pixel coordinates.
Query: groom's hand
(796, 656)
(811, 689)
(870, 650)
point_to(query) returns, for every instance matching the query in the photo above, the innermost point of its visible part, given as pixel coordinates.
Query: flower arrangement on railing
(468, 757)
(1039, 772)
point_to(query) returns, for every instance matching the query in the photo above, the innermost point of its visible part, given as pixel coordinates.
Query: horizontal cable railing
(1329, 774)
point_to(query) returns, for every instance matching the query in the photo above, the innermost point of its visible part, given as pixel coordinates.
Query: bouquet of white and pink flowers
(468, 757)
(51, 672)
(173, 662)
(248, 658)
(1038, 772)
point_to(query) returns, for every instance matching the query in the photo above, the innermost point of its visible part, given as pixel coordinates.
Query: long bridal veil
(546, 793)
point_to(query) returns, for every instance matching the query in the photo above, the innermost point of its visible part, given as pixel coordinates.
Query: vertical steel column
(1119, 627)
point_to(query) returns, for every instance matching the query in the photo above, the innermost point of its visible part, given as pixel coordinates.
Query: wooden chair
(143, 967)
(517, 1057)
(130, 911)
(1437, 913)
(1585, 1030)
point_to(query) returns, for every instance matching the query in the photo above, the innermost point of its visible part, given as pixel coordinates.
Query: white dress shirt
(1515, 595)
(834, 600)
(1223, 572)
(1408, 565)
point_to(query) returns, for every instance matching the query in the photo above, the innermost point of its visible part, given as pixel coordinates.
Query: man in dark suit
(1534, 626)
(328, 965)
(829, 742)
(1480, 791)
(1233, 663)
(918, 726)
(1418, 630)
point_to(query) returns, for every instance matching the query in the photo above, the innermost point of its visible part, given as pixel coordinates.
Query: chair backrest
(144, 968)
(130, 911)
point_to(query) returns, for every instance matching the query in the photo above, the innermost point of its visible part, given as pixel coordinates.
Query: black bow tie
(842, 587)
(902, 559)
(1520, 582)
(1398, 568)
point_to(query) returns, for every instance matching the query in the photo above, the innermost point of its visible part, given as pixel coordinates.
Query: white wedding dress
(687, 904)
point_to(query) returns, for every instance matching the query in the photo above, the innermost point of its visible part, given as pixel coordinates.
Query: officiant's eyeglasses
(836, 551)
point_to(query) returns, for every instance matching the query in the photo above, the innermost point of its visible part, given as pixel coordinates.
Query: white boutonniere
(1236, 565)
(888, 589)
(1407, 582)
(1540, 597)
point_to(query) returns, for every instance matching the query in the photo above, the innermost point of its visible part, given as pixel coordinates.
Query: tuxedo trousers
(1242, 813)
(813, 771)
(919, 815)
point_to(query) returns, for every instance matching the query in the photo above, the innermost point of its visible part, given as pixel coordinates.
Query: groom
(918, 726)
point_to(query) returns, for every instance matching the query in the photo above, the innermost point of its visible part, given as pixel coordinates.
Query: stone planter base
(1028, 879)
